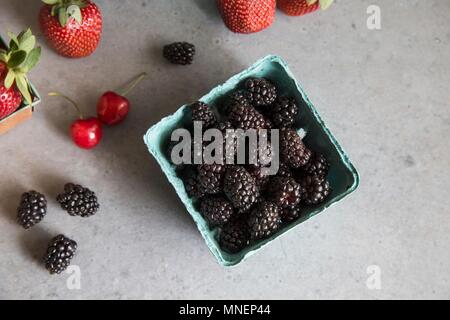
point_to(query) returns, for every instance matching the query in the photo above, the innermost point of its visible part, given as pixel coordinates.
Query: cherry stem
(134, 83)
(57, 94)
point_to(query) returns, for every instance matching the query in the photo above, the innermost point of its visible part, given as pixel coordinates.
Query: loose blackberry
(243, 117)
(193, 187)
(261, 179)
(217, 210)
(264, 220)
(292, 150)
(32, 209)
(240, 187)
(315, 189)
(211, 177)
(179, 52)
(238, 97)
(234, 236)
(60, 252)
(316, 166)
(290, 214)
(78, 201)
(203, 113)
(283, 112)
(284, 192)
(261, 92)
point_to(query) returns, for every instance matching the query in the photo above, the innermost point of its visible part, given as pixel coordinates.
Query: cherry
(86, 133)
(112, 108)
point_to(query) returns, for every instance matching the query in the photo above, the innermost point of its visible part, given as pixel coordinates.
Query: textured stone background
(384, 94)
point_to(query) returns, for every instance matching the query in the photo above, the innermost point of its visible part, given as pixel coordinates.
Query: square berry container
(342, 176)
(24, 112)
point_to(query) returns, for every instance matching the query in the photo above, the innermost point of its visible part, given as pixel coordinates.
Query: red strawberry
(301, 7)
(247, 16)
(15, 62)
(72, 27)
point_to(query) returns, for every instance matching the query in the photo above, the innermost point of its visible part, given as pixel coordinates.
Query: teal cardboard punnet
(343, 176)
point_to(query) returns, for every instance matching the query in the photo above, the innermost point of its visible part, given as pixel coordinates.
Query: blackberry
(316, 166)
(193, 187)
(240, 187)
(211, 177)
(236, 98)
(260, 91)
(234, 236)
(32, 209)
(78, 201)
(264, 220)
(179, 52)
(284, 192)
(283, 112)
(290, 214)
(292, 150)
(229, 142)
(244, 117)
(60, 252)
(217, 210)
(315, 189)
(284, 171)
(261, 179)
(203, 113)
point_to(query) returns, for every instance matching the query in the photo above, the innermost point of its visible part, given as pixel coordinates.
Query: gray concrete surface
(384, 94)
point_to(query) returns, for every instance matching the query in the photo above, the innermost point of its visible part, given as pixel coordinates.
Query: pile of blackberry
(238, 200)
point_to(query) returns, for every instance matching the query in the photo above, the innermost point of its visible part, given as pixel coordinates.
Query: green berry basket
(343, 176)
(24, 112)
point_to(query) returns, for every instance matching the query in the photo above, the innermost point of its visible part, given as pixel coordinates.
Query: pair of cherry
(112, 108)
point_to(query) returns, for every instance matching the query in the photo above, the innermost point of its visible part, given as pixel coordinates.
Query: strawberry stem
(74, 104)
(134, 83)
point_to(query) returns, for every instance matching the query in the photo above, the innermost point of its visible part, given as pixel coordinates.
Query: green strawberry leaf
(51, 2)
(14, 43)
(74, 11)
(24, 35)
(16, 59)
(22, 85)
(32, 59)
(9, 79)
(62, 16)
(325, 4)
(4, 56)
(28, 44)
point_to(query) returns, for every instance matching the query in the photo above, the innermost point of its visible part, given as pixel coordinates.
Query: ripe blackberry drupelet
(78, 201)
(193, 187)
(315, 189)
(316, 166)
(203, 113)
(217, 210)
(32, 209)
(240, 187)
(283, 112)
(284, 171)
(238, 97)
(290, 214)
(211, 177)
(292, 150)
(284, 192)
(243, 117)
(179, 53)
(261, 92)
(234, 236)
(261, 179)
(264, 220)
(60, 252)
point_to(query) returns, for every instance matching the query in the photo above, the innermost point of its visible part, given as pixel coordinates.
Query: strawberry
(72, 27)
(301, 7)
(247, 16)
(15, 62)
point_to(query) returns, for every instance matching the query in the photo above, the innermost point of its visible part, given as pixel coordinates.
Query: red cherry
(112, 108)
(86, 133)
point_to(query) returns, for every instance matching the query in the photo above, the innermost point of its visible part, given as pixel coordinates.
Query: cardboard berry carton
(24, 112)
(343, 177)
